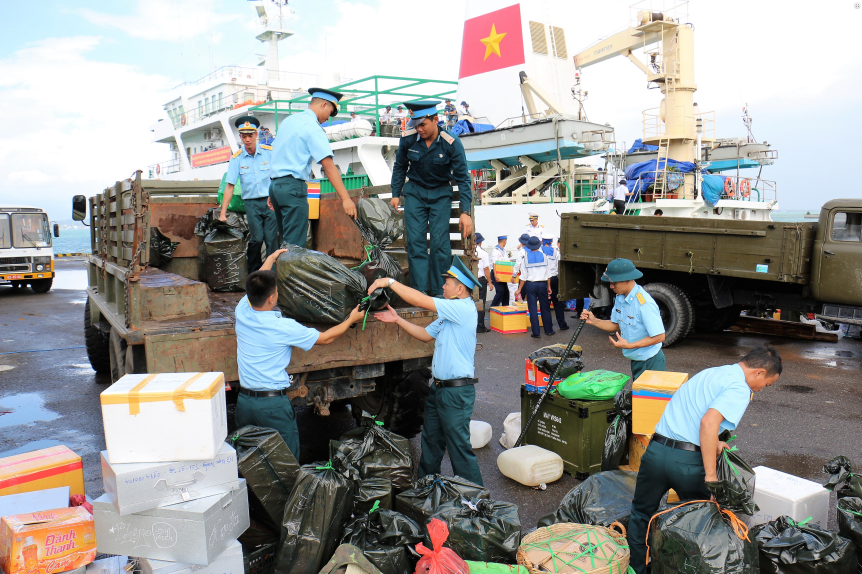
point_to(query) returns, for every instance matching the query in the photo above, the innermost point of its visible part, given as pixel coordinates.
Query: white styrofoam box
(35, 501)
(195, 532)
(531, 465)
(228, 562)
(143, 486)
(480, 433)
(511, 430)
(164, 417)
(781, 494)
(110, 565)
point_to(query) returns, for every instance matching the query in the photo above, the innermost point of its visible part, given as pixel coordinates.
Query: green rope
(327, 467)
(368, 250)
(377, 422)
(850, 511)
(375, 507)
(365, 318)
(799, 524)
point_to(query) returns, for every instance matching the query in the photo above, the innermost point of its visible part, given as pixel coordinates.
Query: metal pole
(377, 106)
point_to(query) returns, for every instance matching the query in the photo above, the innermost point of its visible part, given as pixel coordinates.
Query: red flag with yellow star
(492, 41)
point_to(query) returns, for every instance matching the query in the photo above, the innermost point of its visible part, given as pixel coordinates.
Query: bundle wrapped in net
(569, 548)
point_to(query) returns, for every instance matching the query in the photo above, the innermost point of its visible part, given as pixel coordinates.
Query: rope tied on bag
(739, 527)
(368, 249)
(327, 467)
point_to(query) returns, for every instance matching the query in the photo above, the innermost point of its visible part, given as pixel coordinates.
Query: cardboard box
(145, 415)
(651, 393)
(148, 485)
(534, 379)
(508, 319)
(228, 562)
(195, 532)
(638, 444)
(47, 468)
(503, 270)
(780, 494)
(46, 542)
(314, 200)
(37, 501)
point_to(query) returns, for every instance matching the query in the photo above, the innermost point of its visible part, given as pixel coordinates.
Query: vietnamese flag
(492, 41)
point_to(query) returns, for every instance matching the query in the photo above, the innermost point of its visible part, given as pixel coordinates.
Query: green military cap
(247, 123)
(621, 270)
(460, 272)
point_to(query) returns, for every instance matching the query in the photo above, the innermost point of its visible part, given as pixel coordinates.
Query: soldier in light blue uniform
(250, 166)
(635, 319)
(450, 402)
(300, 142)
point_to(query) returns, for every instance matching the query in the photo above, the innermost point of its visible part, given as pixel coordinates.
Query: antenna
(272, 17)
(747, 120)
(580, 96)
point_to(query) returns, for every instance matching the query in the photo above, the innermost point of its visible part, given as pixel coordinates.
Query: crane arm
(620, 44)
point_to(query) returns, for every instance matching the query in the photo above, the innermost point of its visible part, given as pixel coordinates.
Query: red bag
(440, 560)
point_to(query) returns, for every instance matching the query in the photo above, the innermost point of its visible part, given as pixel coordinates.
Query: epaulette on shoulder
(410, 132)
(450, 139)
(236, 154)
(265, 146)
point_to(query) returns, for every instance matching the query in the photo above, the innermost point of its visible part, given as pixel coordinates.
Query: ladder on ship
(660, 183)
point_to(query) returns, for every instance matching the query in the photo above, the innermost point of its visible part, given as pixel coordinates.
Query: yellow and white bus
(26, 251)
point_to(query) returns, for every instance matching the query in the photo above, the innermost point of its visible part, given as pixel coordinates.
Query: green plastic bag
(592, 385)
(492, 568)
(236, 203)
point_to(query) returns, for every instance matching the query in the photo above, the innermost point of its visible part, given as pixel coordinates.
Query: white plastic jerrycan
(531, 465)
(480, 433)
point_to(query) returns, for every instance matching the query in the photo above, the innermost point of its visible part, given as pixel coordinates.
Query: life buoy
(158, 169)
(728, 186)
(183, 120)
(745, 187)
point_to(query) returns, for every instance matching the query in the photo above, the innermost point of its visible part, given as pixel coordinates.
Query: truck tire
(117, 354)
(41, 285)
(97, 343)
(676, 309)
(399, 404)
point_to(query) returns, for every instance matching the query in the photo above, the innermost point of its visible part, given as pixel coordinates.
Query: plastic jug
(531, 465)
(511, 430)
(480, 433)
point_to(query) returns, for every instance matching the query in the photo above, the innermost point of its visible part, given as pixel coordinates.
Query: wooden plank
(674, 229)
(758, 326)
(186, 199)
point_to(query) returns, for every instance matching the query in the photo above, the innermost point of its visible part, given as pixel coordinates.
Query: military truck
(703, 272)
(139, 319)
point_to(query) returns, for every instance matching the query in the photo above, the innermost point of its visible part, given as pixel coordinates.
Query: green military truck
(704, 272)
(139, 319)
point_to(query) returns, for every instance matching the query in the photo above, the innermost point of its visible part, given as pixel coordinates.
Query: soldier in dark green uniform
(432, 159)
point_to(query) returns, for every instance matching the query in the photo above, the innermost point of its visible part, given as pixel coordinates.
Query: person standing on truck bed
(621, 192)
(682, 453)
(450, 402)
(635, 319)
(299, 142)
(251, 166)
(264, 342)
(431, 158)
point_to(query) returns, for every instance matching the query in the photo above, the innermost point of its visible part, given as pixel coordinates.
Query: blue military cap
(247, 123)
(502, 237)
(534, 243)
(479, 238)
(524, 238)
(327, 95)
(546, 241)
(421, 110)
(621, 270)
(460, 272)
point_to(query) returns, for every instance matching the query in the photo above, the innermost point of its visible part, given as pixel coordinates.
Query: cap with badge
(247, 124)
(533, 216)
(621, 270)
(329, 96)
(460, 272)
(421, 110)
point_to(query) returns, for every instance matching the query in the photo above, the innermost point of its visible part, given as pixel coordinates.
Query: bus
(26, 251)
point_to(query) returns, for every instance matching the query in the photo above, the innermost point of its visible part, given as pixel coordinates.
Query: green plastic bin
(350, 182)
(236, 203)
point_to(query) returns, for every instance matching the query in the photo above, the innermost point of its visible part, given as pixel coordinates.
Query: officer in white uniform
(536, 282)
(533, 228)
(484, 281)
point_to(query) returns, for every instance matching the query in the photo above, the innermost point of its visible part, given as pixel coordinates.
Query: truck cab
(836, 266)
(26, 252)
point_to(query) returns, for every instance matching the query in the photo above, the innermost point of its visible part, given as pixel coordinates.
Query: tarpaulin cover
(697, 538)
(161, 248)
(641, 175)
(850, 524)
(547, 358)
(640, 145)
(371, 490)
(374, 452)
(269, 468)
(440, 560)
(236, 202)
(429, 493)
(602, 499)
(314, 518)
(483, 530)
(225, 251)
(617, 435)
(841, 479)
(788, 547)
(712, 188)
(316, 288)
(592, 386)
(384, 537)
(734, 489)
(491, 568)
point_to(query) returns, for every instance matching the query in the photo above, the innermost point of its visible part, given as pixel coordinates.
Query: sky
(85, 80)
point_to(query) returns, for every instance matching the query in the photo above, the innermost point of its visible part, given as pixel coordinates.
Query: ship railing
(646, 11)
(685, 125)
(233, 73)
(670, 184)
(160, 169)
(769, 155)
(749, 189)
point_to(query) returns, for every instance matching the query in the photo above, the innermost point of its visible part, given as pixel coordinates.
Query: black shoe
(565, 328)
(482, 329)
(552, 333)
(536, 336)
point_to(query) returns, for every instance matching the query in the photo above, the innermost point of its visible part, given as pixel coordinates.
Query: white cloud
(166, 20)
(90, 129)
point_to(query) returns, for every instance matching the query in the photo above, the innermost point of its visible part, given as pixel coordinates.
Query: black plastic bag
(431, 492)
(841, 479)
(734, 489)
(371, 451)
(601, 500)
(206, 223)
(314, 518)
(384, 536)
(698, 538)
(617, 436)
(257, 535)
(547, 358)
(316, 288)
(788, 547)
(850, 524)
(269, 468)
(226, 266)
(380, 225)
(161, 249)
(370, 491)
(482, 530)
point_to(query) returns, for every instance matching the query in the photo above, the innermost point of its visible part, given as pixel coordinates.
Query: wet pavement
(812, 414)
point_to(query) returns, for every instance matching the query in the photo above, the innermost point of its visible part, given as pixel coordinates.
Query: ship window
(200, 108)
(207, 104)
(220, 101)
(248, 97)
(559, 42)
(5, 233)
(537, 35)
(847, 226)
(182, 111)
